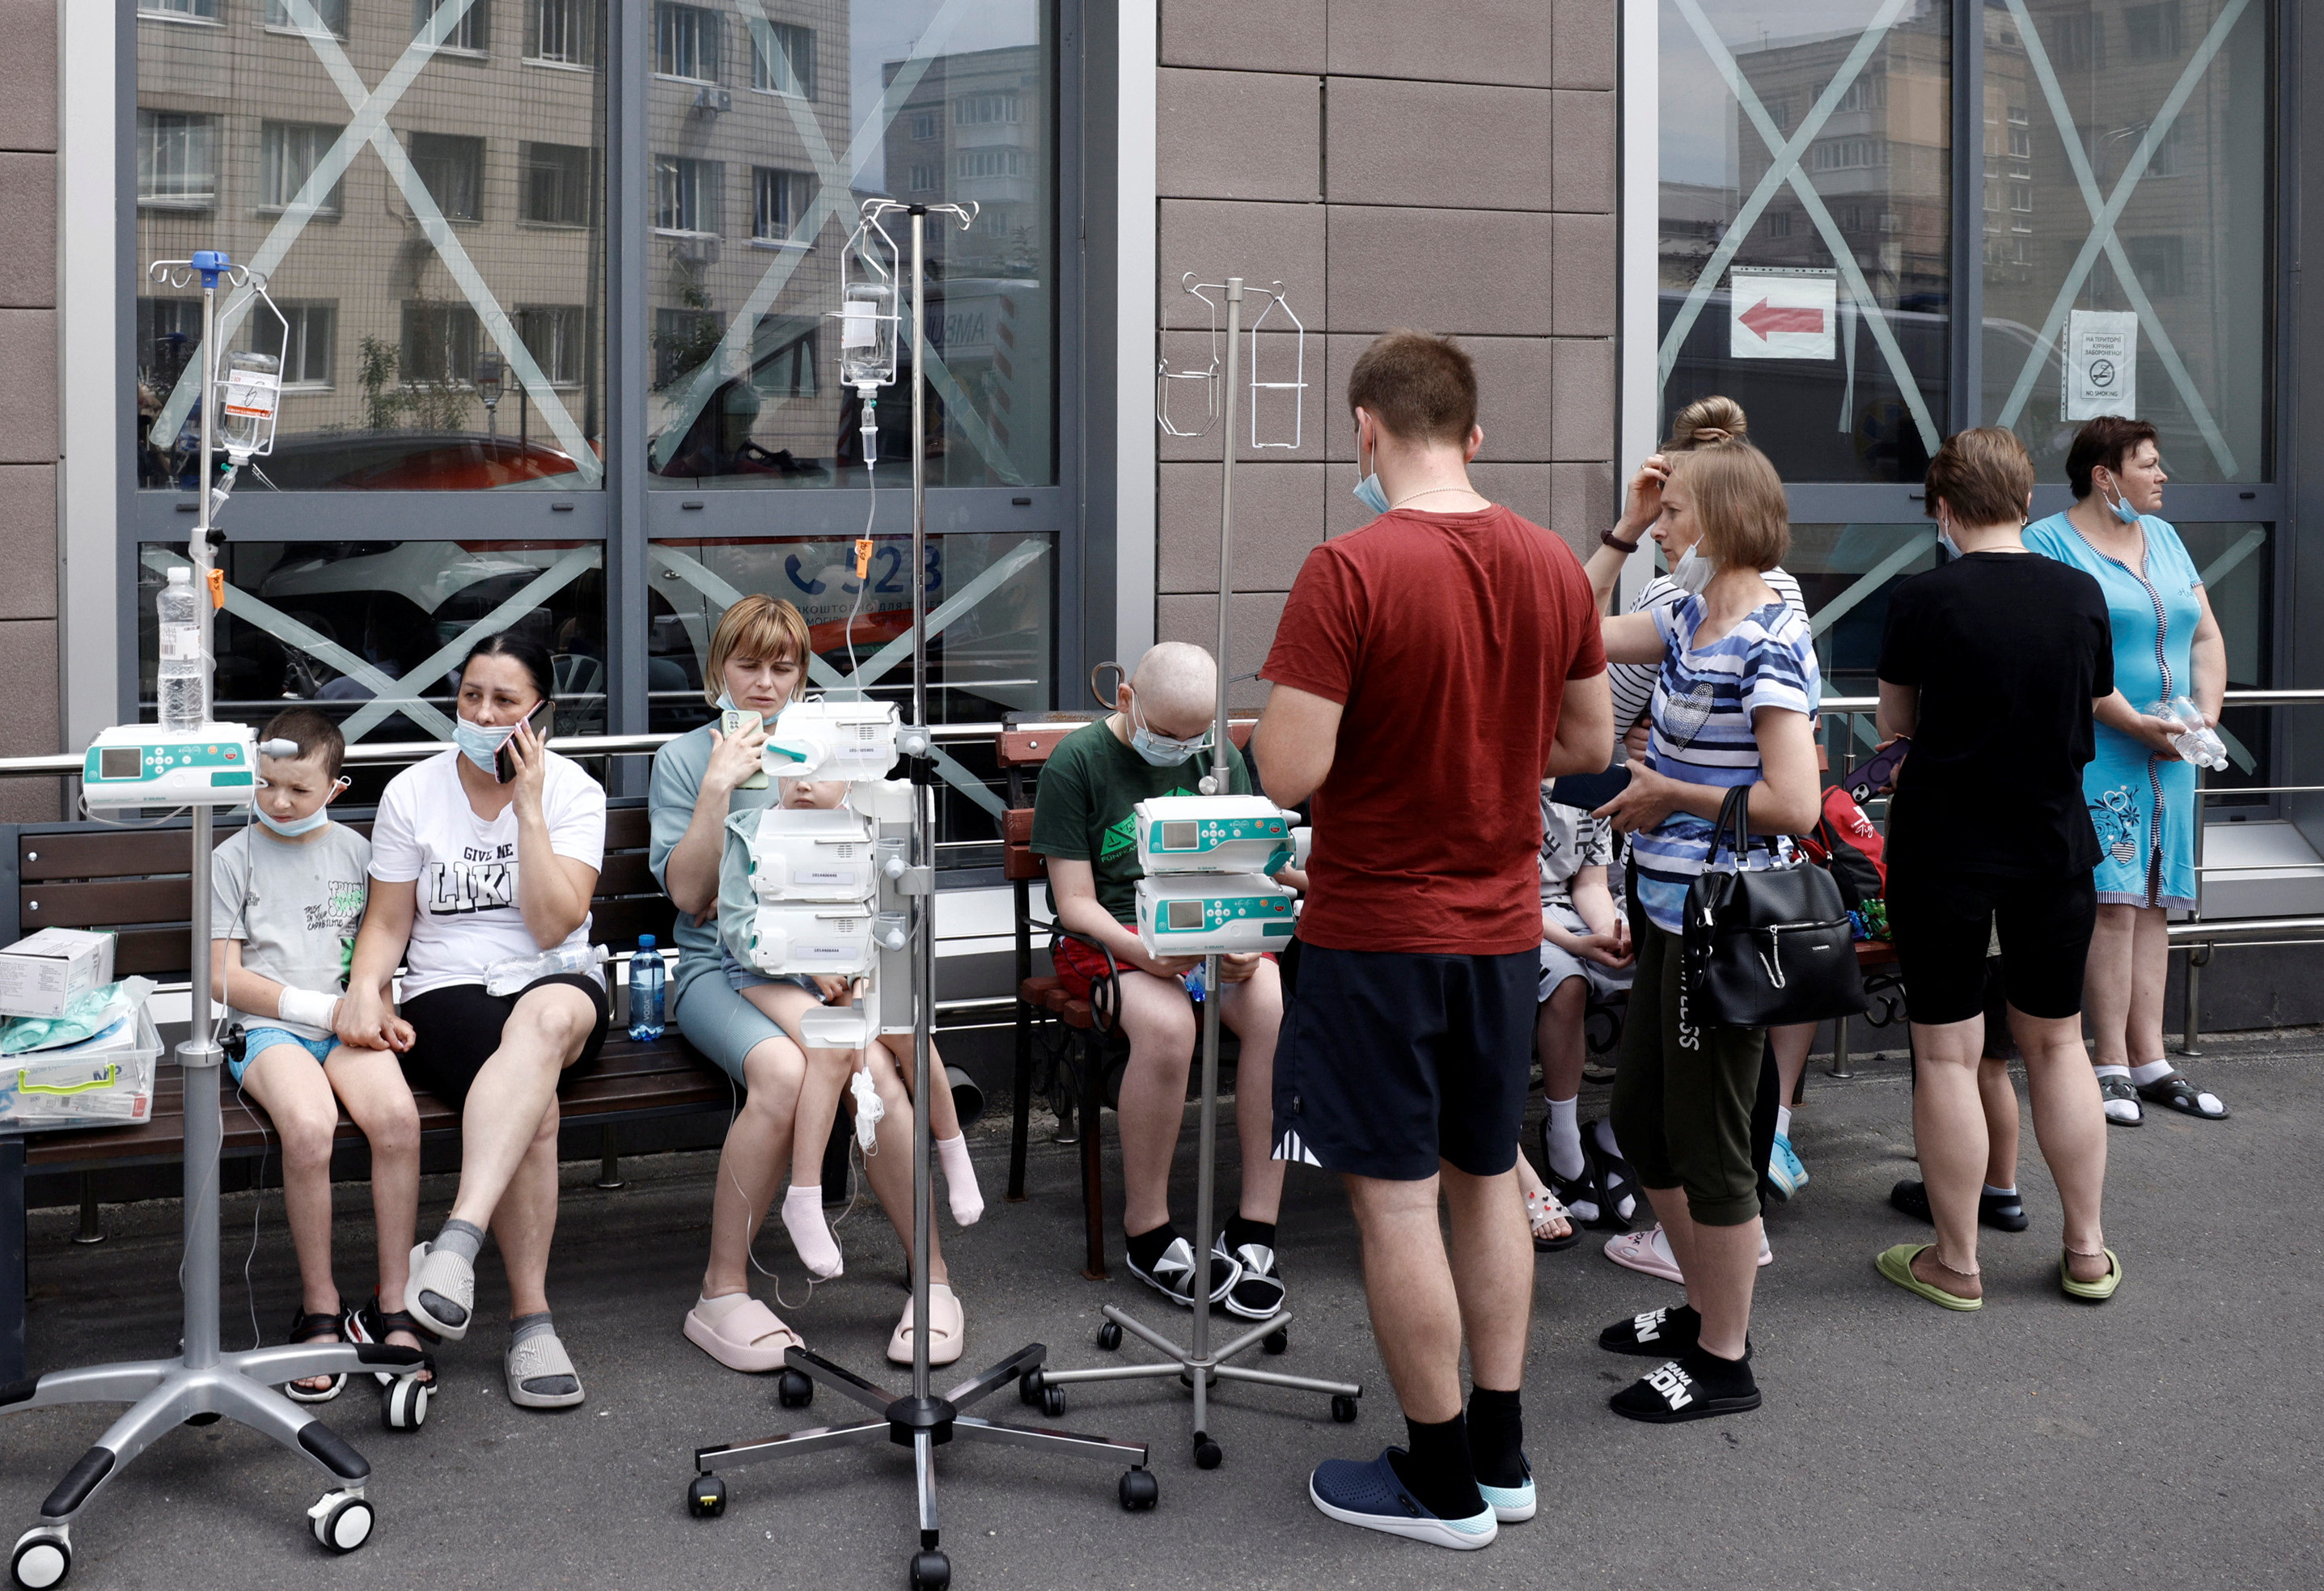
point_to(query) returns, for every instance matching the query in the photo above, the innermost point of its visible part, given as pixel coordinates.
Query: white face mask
(1692, 572)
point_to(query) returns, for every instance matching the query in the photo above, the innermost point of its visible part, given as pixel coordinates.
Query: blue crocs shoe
(1511, 1504)
(1785, 1174)
(1370, 1495)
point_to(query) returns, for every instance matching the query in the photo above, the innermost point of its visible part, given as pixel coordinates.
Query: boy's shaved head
(1176, 679)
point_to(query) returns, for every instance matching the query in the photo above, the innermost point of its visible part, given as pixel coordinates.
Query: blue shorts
(257, 1041)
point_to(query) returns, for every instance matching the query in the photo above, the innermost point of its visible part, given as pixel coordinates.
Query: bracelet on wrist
(1608, 538)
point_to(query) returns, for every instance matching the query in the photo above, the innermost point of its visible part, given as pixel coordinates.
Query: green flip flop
(1897, 1264)
(2091, 1292)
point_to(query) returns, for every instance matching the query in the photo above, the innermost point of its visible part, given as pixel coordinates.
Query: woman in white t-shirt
(467, 871)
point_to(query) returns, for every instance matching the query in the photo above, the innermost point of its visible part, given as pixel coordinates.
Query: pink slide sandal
(750, 1337)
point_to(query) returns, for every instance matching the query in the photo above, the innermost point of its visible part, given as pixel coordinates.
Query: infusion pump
(146, 765)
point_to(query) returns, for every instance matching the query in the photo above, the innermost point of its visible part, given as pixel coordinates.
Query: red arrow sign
(1767, 319)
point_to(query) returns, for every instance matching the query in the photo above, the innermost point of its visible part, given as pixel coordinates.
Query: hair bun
(1707, 422)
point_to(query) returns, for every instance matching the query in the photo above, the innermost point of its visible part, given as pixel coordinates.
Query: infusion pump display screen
(121, 762)
(1182, 914)
(1181, 836)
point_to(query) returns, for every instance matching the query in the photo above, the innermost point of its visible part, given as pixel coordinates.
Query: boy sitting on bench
(1158, 743)
(288, 895)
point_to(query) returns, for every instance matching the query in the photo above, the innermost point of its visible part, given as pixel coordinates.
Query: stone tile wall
(1450, 167)
(28, 401)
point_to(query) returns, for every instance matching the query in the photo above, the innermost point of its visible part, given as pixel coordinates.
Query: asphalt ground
(2166, 1439)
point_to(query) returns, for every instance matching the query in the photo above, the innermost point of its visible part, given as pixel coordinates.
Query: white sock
(803, 1219)
(1782, 1121)
(1565, 1138)
(1606, 1137)
(960, 1179)
(2153, 1071)
(1993, 1193)
(2112, 1070)
(714, 1309)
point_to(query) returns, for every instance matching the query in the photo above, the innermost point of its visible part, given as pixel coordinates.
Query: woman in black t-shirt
(1993, 663)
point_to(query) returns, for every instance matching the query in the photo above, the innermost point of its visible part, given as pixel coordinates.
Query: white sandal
(947, 1336)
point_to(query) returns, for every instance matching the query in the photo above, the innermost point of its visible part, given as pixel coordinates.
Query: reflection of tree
(680, 350)
(439, 404)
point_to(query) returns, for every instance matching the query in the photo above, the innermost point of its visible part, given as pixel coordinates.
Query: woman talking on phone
(482, 862)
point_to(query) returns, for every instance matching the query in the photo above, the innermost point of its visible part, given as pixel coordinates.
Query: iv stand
(1196, 1366)
(918, 1420)
(202, 1385)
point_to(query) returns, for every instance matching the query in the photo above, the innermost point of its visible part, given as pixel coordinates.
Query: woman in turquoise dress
(2141, 792)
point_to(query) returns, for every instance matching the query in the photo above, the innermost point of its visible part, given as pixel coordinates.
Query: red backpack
(1845, 842)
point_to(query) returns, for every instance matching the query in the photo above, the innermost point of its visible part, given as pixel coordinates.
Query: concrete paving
(2168, 1438)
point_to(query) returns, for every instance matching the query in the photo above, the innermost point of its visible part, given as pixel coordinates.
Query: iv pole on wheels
(203, 1384)
(1197, 1366)
(920, 1420)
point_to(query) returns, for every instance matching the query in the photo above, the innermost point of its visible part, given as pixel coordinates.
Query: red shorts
(1079, 965)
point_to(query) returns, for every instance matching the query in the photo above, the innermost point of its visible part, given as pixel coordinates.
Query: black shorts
(1391, 1061)
(1945, 922)
(457, 1028)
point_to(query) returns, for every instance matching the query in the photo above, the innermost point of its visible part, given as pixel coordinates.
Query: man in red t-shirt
(1430, 671)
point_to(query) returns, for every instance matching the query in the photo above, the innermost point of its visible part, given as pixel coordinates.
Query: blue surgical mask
(2122, 508)
(1369, 490)
(1945, 539)
(1162, 751)
(480, 745)
(1694, 571)
(296, 826)
(726, 702)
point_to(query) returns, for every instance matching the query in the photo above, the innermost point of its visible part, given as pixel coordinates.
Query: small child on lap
(288, 893)
(783, 998)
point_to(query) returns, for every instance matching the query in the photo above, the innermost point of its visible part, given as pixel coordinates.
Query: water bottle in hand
(2197, 742)
(646, 977)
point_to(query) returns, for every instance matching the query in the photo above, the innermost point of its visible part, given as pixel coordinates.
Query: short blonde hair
(758, 626)
(1738, 500)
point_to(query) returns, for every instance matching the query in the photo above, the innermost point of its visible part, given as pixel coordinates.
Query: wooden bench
(137, 883)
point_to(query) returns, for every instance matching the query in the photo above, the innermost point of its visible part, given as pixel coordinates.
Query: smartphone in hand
(732, 722)
(541, 721)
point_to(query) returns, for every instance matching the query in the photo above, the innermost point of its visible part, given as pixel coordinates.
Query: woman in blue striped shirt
(1733, 706)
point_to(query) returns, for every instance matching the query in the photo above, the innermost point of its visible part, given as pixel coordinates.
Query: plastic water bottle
(2198, 741)
(183, 672)
(646, 975)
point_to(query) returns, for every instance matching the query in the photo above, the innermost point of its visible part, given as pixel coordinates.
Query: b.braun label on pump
(1206, 914)
(1212, 834)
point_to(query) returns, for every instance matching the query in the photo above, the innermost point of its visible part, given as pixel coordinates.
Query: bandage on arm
(307, 1006)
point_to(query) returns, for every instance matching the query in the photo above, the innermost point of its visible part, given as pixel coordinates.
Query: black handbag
(1768, 947)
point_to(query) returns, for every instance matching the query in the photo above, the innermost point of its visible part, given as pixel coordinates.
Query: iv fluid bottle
(646, 976)
(179, 680)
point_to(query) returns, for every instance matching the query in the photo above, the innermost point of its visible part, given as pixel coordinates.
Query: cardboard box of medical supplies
(39, 975)
(107, 1081)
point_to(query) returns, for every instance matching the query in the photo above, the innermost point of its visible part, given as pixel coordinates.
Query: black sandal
(306, 1328)
(2175, 1092)
(372, 1324)
(1611, 1182)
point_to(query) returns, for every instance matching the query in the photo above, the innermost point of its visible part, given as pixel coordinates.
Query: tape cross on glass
(391, 695)
(370, 107)
(1785, 169)
(833, 182)
(2106, 212)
